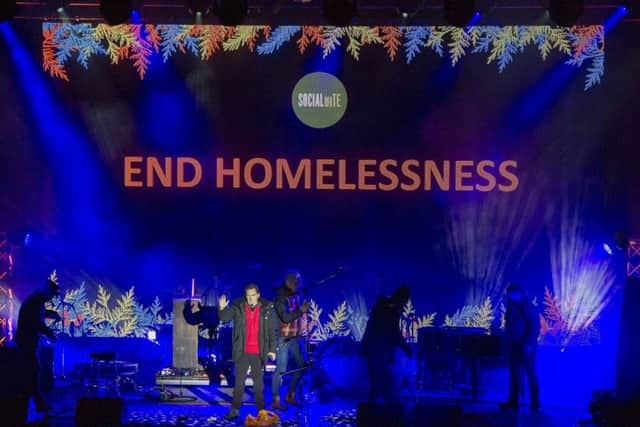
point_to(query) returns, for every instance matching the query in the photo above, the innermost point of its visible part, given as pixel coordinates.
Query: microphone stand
(62, 338)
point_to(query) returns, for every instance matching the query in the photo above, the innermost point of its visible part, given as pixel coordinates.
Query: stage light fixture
(459, 12)
(566, 13)
(230, 12)
(8, 10)
(339, 13)
(408, 8)
(199, 7)
(135, 17)
(116, 12)
(626, 7)
(60, 5)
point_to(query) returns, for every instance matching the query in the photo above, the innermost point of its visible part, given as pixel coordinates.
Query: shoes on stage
(277, 404)
(509, 405)
(291, 400)
(232, 414)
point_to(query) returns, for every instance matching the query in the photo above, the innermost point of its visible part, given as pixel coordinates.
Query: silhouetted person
(289, 310)
(206, 318)
(381, 338)
(31, 325)
(253, 342)
(522, 327)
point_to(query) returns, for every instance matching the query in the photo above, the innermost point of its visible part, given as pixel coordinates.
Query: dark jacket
(382, 333)
(522, 323)
(31, 322)
(266, 333)
(282, 307)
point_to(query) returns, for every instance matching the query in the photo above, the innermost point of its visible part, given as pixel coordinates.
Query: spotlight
(59, 7)
(230, 12)
(339, 13)
(8, 10)
(116, 12)
(607, 248)
(626, 7)
(565, 13)
(459, 12)
(199, 7)
(408, 8)
(135, 16)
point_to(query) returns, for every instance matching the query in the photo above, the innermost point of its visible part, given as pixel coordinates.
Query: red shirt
(252, 319)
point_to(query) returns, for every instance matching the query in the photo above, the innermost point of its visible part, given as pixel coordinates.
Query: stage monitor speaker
(627, 366)
(374, 415)
(438, 415)
(99, 412)
(185, 338)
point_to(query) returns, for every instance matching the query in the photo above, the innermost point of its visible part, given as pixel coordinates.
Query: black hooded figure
(31, 325)
(381, 338)
(522, 327)
(206, 318)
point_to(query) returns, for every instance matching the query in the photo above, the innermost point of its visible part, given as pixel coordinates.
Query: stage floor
(208, 405)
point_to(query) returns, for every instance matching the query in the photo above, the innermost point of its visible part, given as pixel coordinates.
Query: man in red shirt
(253, 342)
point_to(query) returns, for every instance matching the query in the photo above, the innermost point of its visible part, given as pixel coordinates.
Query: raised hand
(304, 307)
(223, 302)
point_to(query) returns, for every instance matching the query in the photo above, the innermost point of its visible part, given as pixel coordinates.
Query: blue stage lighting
(616, 16)
(135, 16)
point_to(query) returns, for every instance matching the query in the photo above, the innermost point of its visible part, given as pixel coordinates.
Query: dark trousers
(519, 361)
(380, 376)
(241, 366)
(286, 347)
(32, 370)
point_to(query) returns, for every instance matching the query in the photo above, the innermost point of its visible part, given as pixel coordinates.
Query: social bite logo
(319, 100)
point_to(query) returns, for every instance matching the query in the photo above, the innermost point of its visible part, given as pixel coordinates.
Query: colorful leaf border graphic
(136, 43)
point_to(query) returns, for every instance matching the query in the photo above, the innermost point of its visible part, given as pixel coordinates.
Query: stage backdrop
(136, 158)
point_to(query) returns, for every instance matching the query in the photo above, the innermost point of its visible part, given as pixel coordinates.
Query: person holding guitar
(31, 326)
(289, 311)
